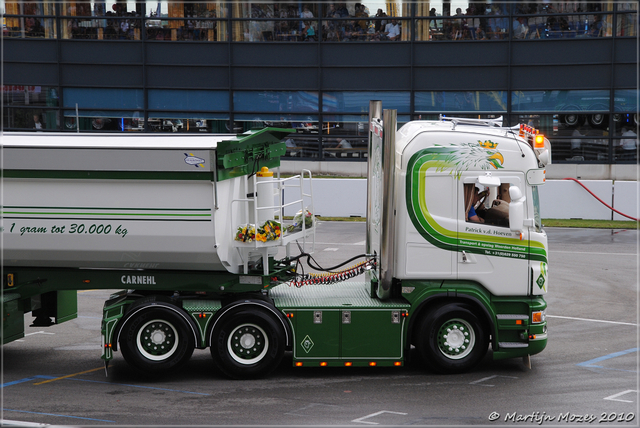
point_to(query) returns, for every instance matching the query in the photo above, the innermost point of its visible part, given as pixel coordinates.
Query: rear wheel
(247, 343)
(451, 339)
(156, 339)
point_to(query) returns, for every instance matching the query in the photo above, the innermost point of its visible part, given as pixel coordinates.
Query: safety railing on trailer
(276, 213)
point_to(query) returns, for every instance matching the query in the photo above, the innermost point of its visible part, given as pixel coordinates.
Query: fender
(453, 295)
(263, 304)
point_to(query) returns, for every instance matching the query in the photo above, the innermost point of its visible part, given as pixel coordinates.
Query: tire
(247, 342)
(598, 120)
(156, 339)
(451, 339)
(572, 119)
(618, 117)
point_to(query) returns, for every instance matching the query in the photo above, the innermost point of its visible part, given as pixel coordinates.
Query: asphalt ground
(587, 375)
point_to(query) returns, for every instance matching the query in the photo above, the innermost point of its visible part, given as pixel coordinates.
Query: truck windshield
(536, 208)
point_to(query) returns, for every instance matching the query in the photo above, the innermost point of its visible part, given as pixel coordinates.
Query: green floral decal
(457, 159)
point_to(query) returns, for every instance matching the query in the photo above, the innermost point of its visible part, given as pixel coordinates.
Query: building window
(555, 20)
(188, 99)
(312, 22)
(627, 20)
(186, 21)
(194, 111)
(101, 20)
(461, 101)
(102, 109)
(358, 102)
(275, 101)
(436, 21)
(29, 19)
(30, 107)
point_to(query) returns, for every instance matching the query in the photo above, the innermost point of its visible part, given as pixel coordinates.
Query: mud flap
(526, 360)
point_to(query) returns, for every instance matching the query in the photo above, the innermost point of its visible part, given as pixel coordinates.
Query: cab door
(426, 244)
(492, 254)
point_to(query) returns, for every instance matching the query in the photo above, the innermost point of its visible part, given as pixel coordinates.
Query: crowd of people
(491, 22)
(344, 21)
(359, 25)
(340, 23)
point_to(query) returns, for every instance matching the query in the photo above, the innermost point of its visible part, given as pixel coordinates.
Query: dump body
(117, 202)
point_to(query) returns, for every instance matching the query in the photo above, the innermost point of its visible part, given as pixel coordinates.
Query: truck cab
(442, 165)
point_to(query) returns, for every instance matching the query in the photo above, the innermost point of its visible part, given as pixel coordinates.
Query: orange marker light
(348, 364)
(298, 363)
(397, 363)
(518, 322)
(373, 364)
(539, 142)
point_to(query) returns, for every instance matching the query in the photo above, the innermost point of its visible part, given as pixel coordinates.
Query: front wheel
(156, 339)
(451, 339)
(247, 343)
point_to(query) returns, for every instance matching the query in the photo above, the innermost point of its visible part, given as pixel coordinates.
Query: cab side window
(489, 205)
(473, 201)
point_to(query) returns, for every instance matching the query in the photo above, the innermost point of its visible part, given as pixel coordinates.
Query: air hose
(601, 201)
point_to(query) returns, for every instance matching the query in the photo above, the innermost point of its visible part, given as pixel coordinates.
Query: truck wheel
(572, 119)
(452, 339)
(155, 340)
(247, 343)
(598, 119)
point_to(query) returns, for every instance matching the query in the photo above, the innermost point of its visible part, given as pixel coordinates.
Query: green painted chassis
(514, 326)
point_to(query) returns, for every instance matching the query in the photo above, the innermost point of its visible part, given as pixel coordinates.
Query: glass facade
(593, 124)
(373, 21)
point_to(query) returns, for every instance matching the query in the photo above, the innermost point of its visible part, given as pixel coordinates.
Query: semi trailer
(209, 247)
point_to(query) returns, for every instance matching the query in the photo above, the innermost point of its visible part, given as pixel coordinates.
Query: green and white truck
(208, 245)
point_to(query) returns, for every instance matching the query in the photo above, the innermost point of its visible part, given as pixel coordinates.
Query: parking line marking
(53, 414)
(592, 363)
(592, 320)
(68, 376)
(15, 382)
(10, 423)
(361, 420)
(614, 397)
(142, 386)
(478, 382)
(51, 378)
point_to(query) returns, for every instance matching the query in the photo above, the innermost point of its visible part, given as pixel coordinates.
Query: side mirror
(516, 209)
